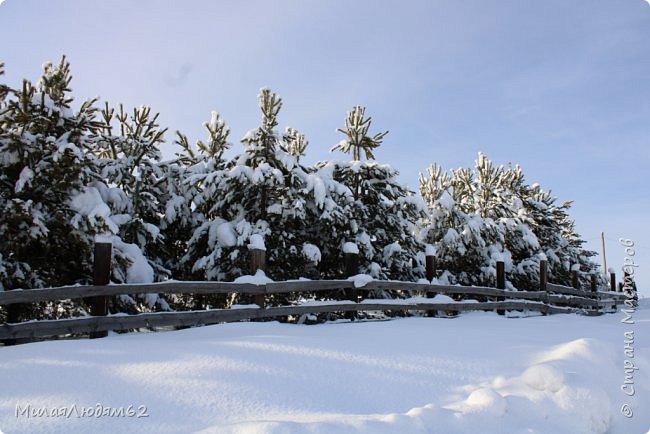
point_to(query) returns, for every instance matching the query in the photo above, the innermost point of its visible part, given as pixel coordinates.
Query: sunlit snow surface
(479, 372)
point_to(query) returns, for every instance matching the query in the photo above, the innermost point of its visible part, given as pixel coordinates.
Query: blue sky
(560, 87)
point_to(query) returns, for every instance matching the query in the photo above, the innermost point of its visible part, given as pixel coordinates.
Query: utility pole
(602, 238)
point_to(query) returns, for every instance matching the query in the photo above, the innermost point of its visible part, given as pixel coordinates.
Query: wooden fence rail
(192, 318)
(300, 286)
(549, 300)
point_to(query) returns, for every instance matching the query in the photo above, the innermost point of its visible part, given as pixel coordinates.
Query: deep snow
(478, 372)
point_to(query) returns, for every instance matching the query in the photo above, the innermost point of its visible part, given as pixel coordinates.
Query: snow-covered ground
(478, 372)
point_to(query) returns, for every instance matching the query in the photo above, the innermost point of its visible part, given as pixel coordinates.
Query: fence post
(13, 316)
(258, 262)
(352, 269)
(594, 282)
(543, 280)
(543, 274)
(501, 275)
(431, 267)
(101, 276)
(612, 282)
(626, 279)
(575, 283)
(351, 264)
(501, 283)
(430, 261)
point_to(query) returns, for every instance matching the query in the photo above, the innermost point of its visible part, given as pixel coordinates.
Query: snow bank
(549, 374)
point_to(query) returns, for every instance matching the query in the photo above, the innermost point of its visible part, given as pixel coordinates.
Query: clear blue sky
(560, 87)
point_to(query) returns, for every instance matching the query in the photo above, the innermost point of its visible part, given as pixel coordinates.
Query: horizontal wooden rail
(180, 319)
(173, 287)
(561, 289)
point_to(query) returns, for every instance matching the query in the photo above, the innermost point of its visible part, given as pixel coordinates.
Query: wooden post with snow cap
(351, 252)
(101, 276)
(430, 258)
(430, 262)
(257, 256)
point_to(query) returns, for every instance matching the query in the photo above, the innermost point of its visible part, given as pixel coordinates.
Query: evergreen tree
(204, 173)
(181, 216)
(43, 171)
(489, 213)
(262, 192)
(133, 181)
(267, 192)
(50, 215)
(382, 214)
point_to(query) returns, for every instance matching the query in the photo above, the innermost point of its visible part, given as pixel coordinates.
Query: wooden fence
(550, 299)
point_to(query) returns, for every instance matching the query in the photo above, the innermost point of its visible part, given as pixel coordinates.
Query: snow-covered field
(478, 372)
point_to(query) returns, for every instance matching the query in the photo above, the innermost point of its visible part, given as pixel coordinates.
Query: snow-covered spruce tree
(49, 217)
(263, 192)
(382, 214)
(133, 185)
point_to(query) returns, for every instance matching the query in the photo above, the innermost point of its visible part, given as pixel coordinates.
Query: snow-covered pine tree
(134, 183)
(203, 184)
(182, 217)
(382, 216)
(466, 244)
(257, 194)
(555, 231)
(49, 217)
(320, 207)
(493, 193)
(264, 192)
(4, 89)
(489, 213)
